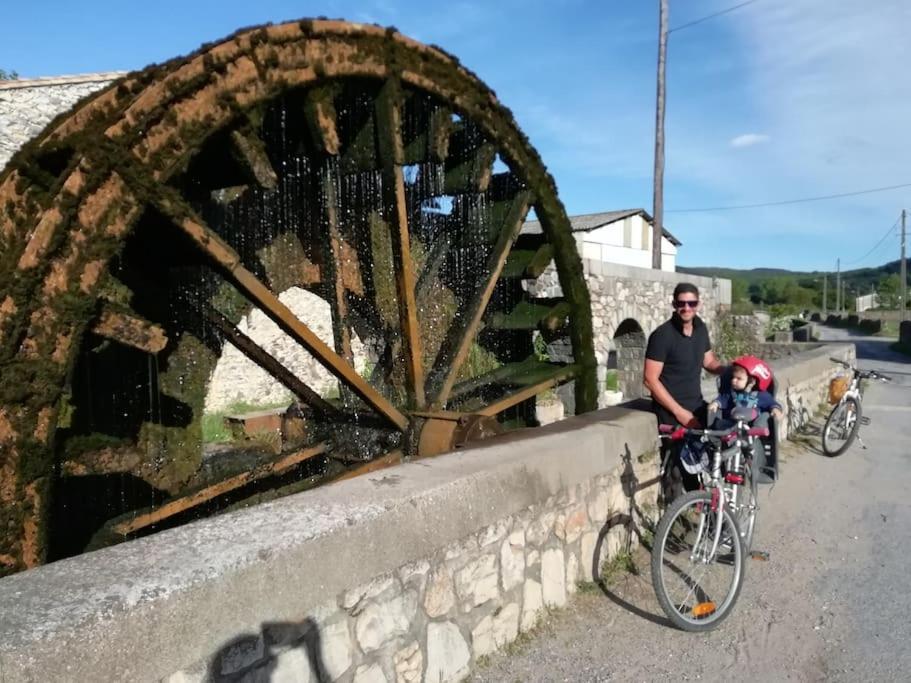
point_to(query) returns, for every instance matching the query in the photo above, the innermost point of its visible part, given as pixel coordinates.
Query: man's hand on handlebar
(687, 419)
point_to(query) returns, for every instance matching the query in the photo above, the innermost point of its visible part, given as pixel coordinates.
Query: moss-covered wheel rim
(72, 197)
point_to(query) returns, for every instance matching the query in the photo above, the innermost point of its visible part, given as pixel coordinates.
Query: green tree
(888, 289)
(8, 75)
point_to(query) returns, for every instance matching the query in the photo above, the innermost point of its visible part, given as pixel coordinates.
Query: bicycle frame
(730, 446)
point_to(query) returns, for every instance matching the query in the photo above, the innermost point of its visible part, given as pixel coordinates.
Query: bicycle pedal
(760, 555)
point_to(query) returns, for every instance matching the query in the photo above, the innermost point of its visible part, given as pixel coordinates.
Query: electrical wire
(711, 16)
(878, 244)
(789, 201)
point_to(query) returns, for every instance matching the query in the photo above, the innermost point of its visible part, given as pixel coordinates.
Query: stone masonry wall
(27, 106)
(432, 619)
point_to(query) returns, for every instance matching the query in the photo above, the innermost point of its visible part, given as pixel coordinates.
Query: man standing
(677, 352)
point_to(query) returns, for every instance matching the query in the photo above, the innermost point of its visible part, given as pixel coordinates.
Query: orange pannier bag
(837, 388)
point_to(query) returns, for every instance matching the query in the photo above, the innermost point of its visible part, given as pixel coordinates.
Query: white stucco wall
(627, 242)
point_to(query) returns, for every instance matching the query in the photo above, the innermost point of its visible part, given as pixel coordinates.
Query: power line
(878, 244)
(790, 201)
(711, 16)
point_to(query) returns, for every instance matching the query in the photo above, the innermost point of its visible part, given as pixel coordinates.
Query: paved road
(833, 602)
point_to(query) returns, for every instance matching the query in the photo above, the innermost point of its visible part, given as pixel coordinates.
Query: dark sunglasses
(686, 304)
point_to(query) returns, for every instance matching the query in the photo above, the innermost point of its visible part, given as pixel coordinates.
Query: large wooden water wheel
(343, 159)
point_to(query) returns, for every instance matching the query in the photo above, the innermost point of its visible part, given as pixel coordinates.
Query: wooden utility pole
(825, 296)
(904, 272)
(838, 286)
(658, 194)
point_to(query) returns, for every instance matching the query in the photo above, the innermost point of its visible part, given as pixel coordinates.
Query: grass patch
(612, 381)
(622, 563)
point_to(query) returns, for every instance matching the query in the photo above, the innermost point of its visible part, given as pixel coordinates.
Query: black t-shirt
(682, 357)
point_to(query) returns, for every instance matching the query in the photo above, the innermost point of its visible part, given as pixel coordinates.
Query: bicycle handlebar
(678, 433)
(863, 374)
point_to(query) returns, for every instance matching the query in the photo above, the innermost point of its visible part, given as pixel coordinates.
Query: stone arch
(629, 356)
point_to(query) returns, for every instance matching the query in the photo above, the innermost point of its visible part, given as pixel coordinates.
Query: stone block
(598, 505)
(439, 597)
(532, 605)
(414, 575)
(494, 533)
(352, 600)
(382, 622)
(409, 664)
(540, 528)
(587, 557)
(495, 630)
(370, 673)
(335, 648)
(572, 573)
(512, 560)
(448, 655)
(478, 582)
(291, 666)
(553, 578)
(569, 525)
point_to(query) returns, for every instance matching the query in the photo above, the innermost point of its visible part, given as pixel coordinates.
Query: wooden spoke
(458, 344)
(528, 262)
(558, 375)
(530, 315)
(250, 150)
(130, 330)
(268, 363)
(211, 492)
(222, 253)
(396, 211)
(321, 119)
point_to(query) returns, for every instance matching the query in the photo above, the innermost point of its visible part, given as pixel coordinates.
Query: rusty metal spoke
(129, 329)
(268, 363)
(558, 375)
(250, 150)
(388, 106)
(228, 259)
(197, 498)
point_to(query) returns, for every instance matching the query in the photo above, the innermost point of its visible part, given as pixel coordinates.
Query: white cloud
(749, 139)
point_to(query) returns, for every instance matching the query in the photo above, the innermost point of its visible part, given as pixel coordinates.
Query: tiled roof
(592, 221)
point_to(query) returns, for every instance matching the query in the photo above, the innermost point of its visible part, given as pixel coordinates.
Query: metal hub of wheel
(342, 159)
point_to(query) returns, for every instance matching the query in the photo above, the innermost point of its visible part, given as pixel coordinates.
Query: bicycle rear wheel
(695, 588)
(841, 427)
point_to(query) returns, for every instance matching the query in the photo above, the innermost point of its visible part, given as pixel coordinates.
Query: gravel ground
(832, 602)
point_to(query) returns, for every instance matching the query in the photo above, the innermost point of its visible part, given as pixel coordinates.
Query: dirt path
(831, 604)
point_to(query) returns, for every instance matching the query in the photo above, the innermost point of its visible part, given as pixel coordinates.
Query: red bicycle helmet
(757, 369)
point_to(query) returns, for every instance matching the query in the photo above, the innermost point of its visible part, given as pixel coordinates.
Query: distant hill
(861, 278)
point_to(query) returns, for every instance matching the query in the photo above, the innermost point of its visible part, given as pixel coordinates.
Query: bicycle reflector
(693, 457)
(703, 609)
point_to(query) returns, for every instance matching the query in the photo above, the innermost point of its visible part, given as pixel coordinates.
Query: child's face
(739, 379)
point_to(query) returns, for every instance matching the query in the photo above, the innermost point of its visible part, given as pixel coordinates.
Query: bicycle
(710, 530)
(843, 423)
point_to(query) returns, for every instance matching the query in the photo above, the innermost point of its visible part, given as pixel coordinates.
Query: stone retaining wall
(408, 574)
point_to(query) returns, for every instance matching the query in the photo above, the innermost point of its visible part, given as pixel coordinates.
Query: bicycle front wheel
(841, 427)
(747, 504)
(697, 588)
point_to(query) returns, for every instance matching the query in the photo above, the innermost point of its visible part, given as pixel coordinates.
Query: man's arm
(712, 364)
(652, 381)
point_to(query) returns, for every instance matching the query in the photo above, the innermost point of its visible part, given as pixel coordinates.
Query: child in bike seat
(750, 380)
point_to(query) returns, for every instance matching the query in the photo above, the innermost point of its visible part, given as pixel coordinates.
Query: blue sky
(777, 100)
